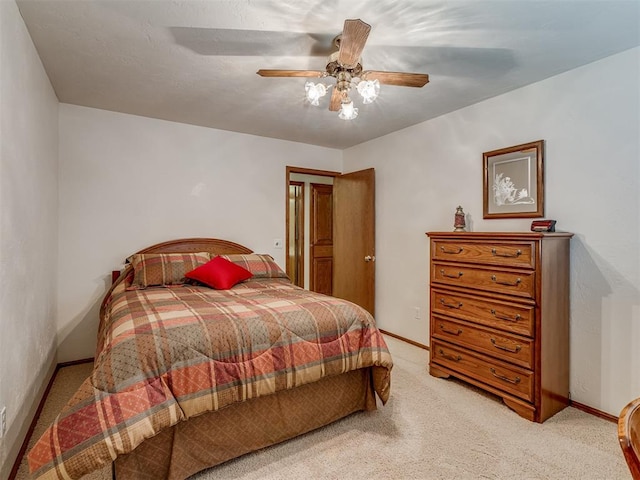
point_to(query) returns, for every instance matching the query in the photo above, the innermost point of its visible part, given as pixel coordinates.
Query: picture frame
(514, 181)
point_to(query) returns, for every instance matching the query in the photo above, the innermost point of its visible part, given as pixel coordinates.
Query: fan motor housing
(334, 68)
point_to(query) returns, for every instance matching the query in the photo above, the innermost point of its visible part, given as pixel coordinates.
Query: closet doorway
(309, 221)
(330, 241)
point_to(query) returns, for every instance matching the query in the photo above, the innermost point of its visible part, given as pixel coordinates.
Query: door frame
(299, 238)
(308, 171)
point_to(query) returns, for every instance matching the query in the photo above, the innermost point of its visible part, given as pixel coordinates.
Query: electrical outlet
(417, 313)
(3, 421)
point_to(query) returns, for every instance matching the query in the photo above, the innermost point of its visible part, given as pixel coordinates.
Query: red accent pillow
(219, 273)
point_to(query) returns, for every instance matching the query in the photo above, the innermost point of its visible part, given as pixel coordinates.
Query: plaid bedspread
(167, 354)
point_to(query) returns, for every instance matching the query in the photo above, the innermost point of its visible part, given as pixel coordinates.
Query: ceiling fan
(345, 66)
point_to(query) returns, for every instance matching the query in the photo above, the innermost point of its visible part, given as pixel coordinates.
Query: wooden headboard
(629, 436)
(186, 245)
(183, 245)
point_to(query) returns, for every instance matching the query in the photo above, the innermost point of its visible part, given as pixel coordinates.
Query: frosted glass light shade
(347, 111)
(369, 90)
(315, 91)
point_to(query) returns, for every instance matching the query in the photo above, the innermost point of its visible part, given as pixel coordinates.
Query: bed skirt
(215, 437)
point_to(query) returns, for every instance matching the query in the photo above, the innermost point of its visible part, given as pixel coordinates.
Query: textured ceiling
(195, 61)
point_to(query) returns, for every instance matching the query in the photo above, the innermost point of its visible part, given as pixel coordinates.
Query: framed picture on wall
(514, 181)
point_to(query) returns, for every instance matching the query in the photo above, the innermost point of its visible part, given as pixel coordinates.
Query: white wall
(589, 118)
(127, 182)
(28, 229)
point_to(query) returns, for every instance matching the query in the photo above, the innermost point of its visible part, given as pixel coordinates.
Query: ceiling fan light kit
(345, 66)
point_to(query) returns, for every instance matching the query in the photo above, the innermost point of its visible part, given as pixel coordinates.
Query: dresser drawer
(507, 316)
(490, 342)
(510, 282)
(509, 378)
(513, 254)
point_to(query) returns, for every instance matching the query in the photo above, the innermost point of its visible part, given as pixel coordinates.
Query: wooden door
(354, 238)
(321, 233)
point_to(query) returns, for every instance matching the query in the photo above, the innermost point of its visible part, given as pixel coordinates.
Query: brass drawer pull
(506, 349)
(507, 255)
(457, 358)
(450, 305)
(448, 275)
(508, 284)
(451, 252)
(506, 379)
(452, 332)
(504, 317)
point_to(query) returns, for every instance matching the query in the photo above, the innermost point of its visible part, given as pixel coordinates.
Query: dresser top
(490, 235)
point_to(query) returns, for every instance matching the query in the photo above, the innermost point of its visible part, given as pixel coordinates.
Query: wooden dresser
(500, 316)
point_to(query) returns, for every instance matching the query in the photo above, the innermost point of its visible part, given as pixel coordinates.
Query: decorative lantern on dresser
(500, 316)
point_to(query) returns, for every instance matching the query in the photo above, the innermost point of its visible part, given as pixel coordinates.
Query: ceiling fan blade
(336, 100)
(354, 36)
(401, 79)
(290, 73)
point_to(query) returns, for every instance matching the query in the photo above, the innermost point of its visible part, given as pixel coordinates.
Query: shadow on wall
(83, 328)
(603, 358)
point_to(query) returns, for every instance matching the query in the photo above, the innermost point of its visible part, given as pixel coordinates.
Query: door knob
(370, 258)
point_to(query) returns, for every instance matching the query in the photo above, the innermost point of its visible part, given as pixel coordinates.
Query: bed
(187, 376)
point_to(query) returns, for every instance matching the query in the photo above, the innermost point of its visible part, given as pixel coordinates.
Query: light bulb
(369, 90)
(348, 111)
(315, 91)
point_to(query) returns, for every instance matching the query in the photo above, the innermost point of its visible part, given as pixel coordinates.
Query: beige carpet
(430, 429)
